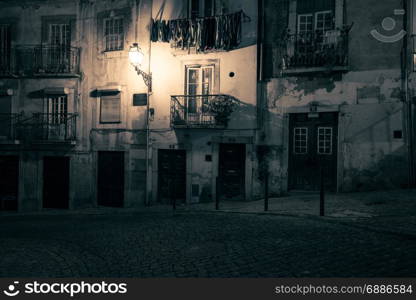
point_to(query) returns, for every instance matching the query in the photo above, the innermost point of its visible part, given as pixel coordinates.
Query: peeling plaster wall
(372, 99)
(112, 70)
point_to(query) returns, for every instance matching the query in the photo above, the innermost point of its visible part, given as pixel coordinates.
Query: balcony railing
(201, 111)
(8, 125)
(315, 50)
(28, 60)
(48, 128)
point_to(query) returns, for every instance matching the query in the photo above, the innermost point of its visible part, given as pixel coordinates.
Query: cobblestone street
(193, 244)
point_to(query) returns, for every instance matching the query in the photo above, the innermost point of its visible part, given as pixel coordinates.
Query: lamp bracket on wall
(147, 78)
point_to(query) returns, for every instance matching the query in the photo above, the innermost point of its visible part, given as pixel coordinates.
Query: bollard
(266, 191)
(174, 197)
(322, 194)
(217, 193)
(173, 193)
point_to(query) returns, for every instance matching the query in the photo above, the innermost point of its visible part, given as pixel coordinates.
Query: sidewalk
(388, 211)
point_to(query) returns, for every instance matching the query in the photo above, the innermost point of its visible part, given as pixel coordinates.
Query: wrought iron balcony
(8, 126)
(38, 60)
(48, 128)
(327, 50)
(201, 111)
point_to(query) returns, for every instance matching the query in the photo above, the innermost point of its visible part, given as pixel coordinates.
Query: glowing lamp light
(136, 55)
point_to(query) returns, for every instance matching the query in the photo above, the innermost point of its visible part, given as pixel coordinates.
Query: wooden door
(172, 176)
(232, 161)
(56, 182)
(9, 182)
(110, 185)
(313, 145)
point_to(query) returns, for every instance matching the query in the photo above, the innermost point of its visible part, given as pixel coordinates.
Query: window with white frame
(110, 109)
(325, 140)
(305, 24)
(113, 34)
(315, 16)
(200, 80)
(300, 140)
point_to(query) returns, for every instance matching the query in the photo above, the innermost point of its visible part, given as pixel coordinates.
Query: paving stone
(198, 244)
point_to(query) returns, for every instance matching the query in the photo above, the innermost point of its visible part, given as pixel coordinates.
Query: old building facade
(332, 88)
(227, 92)
(81, 126)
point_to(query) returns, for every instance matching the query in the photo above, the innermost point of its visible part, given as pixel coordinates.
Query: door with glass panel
(58, 52)
(56, 118)
(199, 90)
(313, 146)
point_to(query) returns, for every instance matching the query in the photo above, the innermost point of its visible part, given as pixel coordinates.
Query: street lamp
(136, 57)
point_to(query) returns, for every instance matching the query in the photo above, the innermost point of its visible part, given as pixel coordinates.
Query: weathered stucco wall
(368, 97)
(168, 70)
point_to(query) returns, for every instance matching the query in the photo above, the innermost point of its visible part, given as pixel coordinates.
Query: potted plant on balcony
(222, 106)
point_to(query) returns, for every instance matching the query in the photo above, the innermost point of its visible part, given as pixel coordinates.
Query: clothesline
(246, 18)
(221, 32)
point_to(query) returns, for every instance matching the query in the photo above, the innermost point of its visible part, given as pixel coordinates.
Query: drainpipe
(260, 56)
(149, 93)
(408, 103)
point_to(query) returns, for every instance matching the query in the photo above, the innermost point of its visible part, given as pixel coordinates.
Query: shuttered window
(110, 109)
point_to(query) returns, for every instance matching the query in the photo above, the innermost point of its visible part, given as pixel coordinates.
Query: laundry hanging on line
(205, 34)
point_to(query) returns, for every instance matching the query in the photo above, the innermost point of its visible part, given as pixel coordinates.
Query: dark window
(113, 34)
(201, 8)
(5, 45)
(194, 9)
(209, 8)
(110, 109)
(313, 6)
